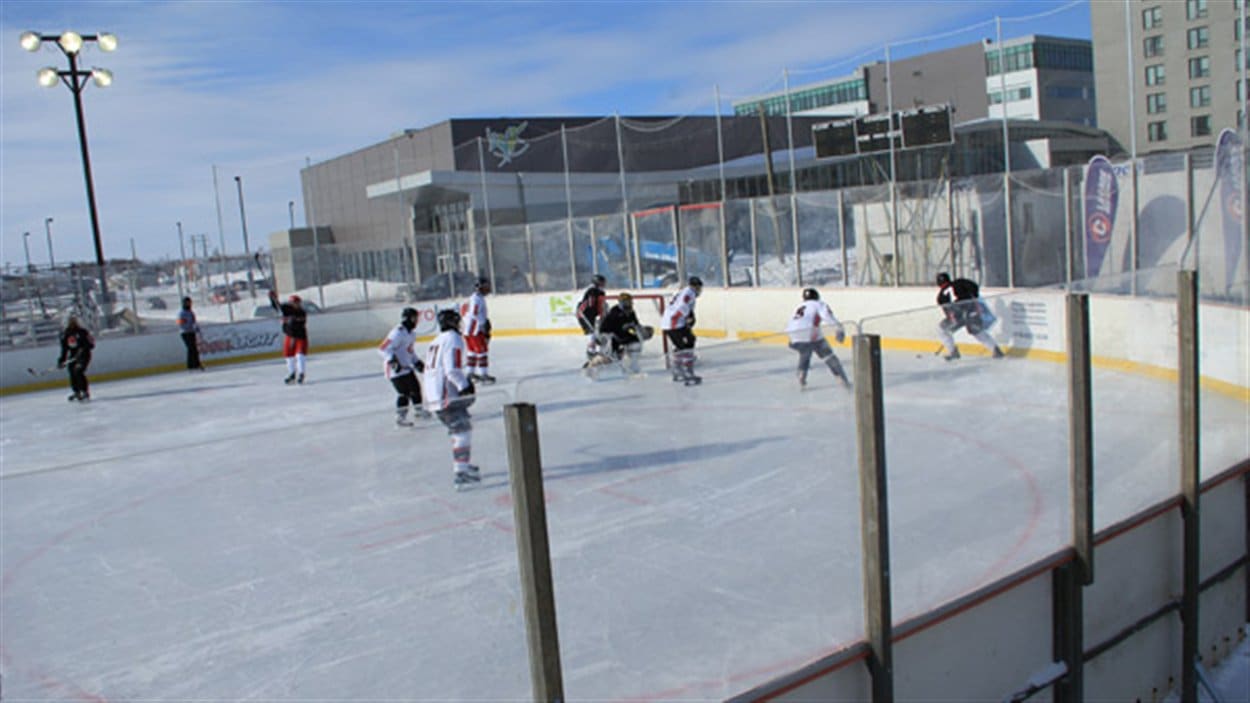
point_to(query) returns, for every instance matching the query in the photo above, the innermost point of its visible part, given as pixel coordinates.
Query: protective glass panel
(1038, 228)
(976, 446)
(510, 247)
(866, 211)
(613, 251)
(774, 228)
(551, 256)
(657, 247)
(924, 239)
(724, 481)
(701, 242)
(820, 239)
(740, 243)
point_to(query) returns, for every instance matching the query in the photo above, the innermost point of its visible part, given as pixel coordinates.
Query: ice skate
(998, 353)
(467, 477)
(300, 379)
(402, 421)
(421, 413)
(952, 356)
(289, 379)
(484, 378)
(802, 380)
(692, 380)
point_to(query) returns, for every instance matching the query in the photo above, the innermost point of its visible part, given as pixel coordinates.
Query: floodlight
(102, 77)
(106, 41)
(48, 76)
(71, 42)
(31, 41)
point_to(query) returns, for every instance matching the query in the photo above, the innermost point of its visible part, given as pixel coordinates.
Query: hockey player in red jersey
(807, 339)
(295, 326)
(449, 393)
(477, 333)
(961, 304)
(678, 326)
(402, 367)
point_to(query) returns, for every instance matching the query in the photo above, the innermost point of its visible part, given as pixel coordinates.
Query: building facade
(1170, 73)
(1046, 79)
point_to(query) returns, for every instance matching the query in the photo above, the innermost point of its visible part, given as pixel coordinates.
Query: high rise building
(1170, 73)
(1047, 78)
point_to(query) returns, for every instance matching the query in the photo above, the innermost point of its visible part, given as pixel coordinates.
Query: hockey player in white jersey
(402, 367)
(806, 337)
(449, 393)
(477, 333)
(678, 326)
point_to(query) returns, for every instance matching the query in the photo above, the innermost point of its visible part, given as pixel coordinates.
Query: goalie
(623, 335)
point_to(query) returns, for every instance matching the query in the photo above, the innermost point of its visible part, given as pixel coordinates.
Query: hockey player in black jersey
(76, 346)
(624, 334)
(960, 300)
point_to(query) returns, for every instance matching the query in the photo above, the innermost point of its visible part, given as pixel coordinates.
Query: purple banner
(1230, 171)
(1102, 199)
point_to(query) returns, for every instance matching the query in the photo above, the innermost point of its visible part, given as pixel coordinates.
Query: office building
(1170, 74)
(1047, 79)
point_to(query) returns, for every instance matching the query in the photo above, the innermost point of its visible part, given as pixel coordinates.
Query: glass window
(1200, 67)
(1200, 126)
(1152, 17)
(1237, 88)
(1157, 131)
(1152, 46)
(1195, 9)
(1155, 75)
(1200, 96)
(1156, 103)
(1016, 58)
(1199, 37)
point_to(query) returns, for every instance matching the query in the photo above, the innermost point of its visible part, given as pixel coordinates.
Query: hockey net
(649, 307)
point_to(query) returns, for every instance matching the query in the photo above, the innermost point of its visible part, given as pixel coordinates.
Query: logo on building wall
(507, 145)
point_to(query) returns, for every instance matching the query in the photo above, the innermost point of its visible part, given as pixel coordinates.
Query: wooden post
(533, 554)
(874, 514)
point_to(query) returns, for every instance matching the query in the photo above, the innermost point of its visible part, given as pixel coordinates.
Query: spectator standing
(190, 331)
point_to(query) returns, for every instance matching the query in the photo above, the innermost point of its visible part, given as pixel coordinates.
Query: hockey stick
(40, 372)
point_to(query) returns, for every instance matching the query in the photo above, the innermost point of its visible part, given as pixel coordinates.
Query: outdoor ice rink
(220, 536)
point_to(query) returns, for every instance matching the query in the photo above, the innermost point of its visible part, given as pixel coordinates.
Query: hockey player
(624, 333)
(402, 367)
(477, 333)
(806, 337)
(295, 327)
(589, 314)
(678, 326)
(448, 393)
(961, 302)
(76, 346)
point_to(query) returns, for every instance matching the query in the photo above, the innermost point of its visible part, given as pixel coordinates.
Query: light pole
(26, 246)
(247, 251)
(290, 206)
(70, 43)
(182, 264)
(47, 227)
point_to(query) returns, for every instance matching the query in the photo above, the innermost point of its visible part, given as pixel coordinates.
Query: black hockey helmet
(943, 278)
(483, 284)
(408, 317)
(448, 319)
(626, 301)
(811, 294)
(599, 280)
(695, 282)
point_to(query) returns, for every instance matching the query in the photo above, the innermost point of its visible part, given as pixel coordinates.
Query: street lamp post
(247, 251)
(182, 264)
(26, 247)
(47, 227)
(290, 206)
(70, 44)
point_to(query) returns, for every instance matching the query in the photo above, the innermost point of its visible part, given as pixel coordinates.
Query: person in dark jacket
(295, 327)
(960, 300)
(190, 331)
(76, 346)
(624, 333)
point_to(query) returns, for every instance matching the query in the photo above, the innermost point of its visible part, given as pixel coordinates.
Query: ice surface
(221, 536)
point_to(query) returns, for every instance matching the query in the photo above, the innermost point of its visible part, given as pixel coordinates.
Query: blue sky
(256, 88)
